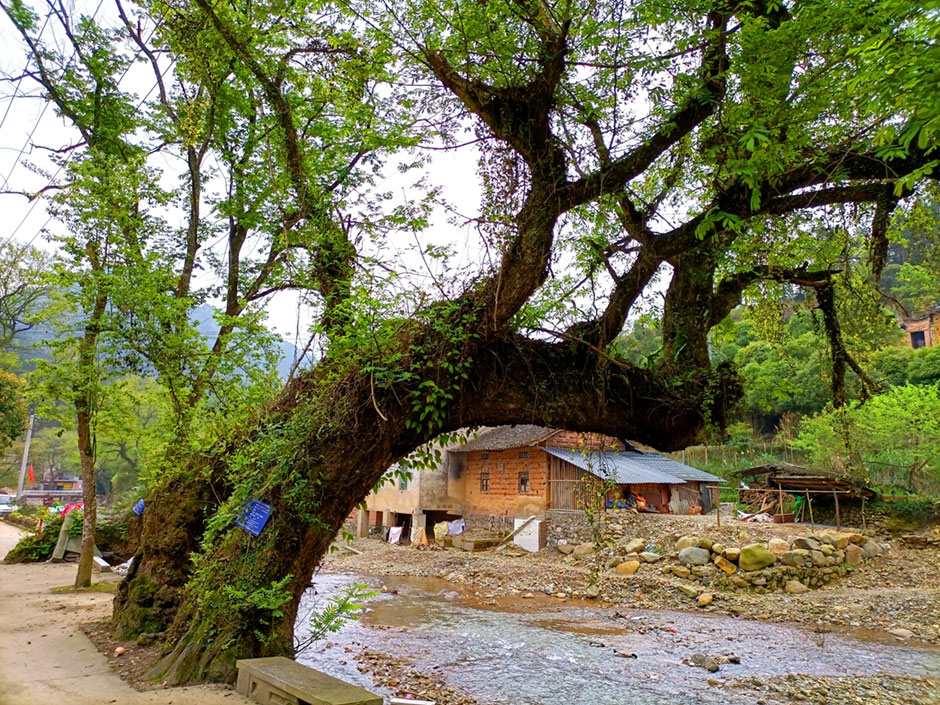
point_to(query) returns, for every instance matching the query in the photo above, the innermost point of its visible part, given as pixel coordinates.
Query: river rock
(901, 633)
(854, 554)
(693, 555)
(705, 599)
(635, 546)
(795, 587)
(798, 558)
(628, 567)
(705, 543)
(807, 543)
(680, 571)
(732, 554)
(778, 546)
(650, 557)
(687, 542)
(755, 557)
(726, 565)
(614, 561)
(700, 661)
(687, 590)
(565, 548)
(592, 592)
(718, 548)
(583, 549)
(856, 538)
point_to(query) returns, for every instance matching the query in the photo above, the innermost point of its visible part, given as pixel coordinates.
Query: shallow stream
(541, 651)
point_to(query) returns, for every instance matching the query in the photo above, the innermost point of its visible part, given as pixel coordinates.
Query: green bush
(37, 547)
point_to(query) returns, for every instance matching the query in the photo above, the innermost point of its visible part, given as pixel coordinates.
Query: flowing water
(542, 652)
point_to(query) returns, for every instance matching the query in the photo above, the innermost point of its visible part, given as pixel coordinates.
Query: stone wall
(566, 526)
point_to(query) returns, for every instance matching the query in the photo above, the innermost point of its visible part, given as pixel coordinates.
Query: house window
(484, 456)
(485, 481)
(524, 482)
(523, 454)
(918, 340)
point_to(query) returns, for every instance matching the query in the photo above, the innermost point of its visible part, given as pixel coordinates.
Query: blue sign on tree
(254, 516)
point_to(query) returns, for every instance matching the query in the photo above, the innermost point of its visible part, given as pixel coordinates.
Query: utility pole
(29, 436)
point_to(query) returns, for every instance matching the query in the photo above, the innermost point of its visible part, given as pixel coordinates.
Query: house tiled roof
(504, 437)
(632, 468)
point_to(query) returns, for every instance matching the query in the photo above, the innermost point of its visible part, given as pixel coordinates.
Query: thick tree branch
(616, 174)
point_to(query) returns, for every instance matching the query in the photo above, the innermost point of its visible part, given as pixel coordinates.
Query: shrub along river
(540, 651)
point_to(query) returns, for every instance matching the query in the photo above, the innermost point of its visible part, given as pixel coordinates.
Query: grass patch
(94, 587)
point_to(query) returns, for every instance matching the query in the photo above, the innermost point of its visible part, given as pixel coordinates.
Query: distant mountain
(204, 318)
(31, 345)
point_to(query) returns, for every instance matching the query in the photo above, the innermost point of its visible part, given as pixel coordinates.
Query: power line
(68, 159)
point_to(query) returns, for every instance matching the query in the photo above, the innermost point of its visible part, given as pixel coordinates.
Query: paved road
(46, 660)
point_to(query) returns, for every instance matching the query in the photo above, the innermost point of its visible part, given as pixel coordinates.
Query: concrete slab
(277, 680)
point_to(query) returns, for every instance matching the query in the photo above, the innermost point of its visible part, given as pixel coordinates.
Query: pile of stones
(793, 566)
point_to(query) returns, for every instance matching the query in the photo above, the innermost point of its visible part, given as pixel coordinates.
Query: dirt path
(45, 659)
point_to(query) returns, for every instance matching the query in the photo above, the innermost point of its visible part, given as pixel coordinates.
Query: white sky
(30, 124)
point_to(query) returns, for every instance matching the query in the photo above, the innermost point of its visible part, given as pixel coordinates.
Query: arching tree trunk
(314, 468)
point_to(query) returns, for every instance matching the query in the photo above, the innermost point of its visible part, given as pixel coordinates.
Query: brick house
(518, 471)
(923, 331)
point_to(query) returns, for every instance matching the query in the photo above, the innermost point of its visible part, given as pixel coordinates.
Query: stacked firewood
(761, 501)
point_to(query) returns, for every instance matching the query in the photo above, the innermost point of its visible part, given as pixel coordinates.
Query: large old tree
(707, 149)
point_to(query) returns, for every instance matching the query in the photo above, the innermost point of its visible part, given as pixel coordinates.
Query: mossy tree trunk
(242, 600)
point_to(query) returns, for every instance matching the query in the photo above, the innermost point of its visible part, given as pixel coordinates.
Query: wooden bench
(279, 681)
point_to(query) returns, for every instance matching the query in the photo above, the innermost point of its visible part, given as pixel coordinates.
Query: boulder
(854, 554)
(871, 549)
(583, 549)
(726, 565)
(650, 557)
(635, 546)
(693, 555)
(755, 557)
(705, 543)
(687, 542)
(807, 543)
(732, 554)
(628, 567)
(795, 587)
(798, 557)
(818, 558)
(778, 546)
(856, 538)
(565, 548)
(839, 541)
(705, 599)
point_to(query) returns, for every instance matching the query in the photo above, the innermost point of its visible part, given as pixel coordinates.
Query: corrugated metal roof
(504, 437)
(631, 468)
(680, 470)
(623, 467)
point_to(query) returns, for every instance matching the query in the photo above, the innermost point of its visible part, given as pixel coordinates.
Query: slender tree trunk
(89, 498)
(84, 410)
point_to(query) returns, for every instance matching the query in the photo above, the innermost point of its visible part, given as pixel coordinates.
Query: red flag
(31, 478)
